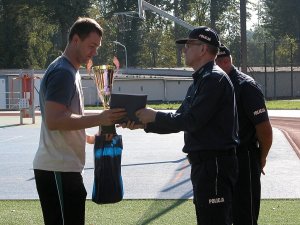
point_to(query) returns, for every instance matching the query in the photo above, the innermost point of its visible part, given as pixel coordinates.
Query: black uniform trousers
(213, 176)
(62, 197)
(247, 191)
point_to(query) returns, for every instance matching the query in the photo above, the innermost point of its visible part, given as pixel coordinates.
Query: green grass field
(274, 104)
(142, 212)
(283, 104)
(161, 212)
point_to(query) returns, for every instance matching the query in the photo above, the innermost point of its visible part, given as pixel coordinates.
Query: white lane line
(9, 139)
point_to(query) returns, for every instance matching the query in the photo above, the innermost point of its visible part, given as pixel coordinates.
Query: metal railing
(10, 101)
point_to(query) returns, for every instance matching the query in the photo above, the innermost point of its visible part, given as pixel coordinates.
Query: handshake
(127, 111)
(144, 116)
(137, 116)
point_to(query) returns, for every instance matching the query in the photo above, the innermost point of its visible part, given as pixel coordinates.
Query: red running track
(291, 129)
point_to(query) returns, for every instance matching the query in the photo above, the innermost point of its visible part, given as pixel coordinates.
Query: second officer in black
(255, 133)
(209, 121)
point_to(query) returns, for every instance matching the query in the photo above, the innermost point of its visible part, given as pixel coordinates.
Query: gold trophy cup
(103, 77)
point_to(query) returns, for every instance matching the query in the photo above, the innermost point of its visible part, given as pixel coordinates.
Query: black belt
(199, 156)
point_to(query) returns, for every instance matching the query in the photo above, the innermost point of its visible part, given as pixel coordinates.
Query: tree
(280, 21)
(25, 36)
(64, 13)
(34, 32)
(228, 23)
(217, 8)
(111, 21)
(282, 17)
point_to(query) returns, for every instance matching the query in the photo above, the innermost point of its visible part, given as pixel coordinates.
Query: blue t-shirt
(58, 83)
(61, 150)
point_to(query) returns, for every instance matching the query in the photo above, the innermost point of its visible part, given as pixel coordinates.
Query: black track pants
(213, 182)
(62, 197)
(247, 192)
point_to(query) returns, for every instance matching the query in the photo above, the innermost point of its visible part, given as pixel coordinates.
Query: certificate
(131, 102)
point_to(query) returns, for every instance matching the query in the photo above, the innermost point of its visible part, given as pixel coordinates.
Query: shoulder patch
(259, 111)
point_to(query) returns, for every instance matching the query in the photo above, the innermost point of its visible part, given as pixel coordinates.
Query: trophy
(108, 185)
(103, 77)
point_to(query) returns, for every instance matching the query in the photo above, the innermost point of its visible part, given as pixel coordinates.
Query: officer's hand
(146, 115)
(263, 162)
(131, 125)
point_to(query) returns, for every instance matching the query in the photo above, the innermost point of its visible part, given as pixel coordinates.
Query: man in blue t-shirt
(255, 133)
(60, 157)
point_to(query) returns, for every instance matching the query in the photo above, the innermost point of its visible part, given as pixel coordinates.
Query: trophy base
(107, 130)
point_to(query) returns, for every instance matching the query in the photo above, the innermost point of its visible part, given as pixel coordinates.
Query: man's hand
(264, 135)
(111, 116)
(146, 115)
(90, 139)
(263, 164)
(59, 117)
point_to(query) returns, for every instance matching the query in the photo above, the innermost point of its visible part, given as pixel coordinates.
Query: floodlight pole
(118, 43)
(146, 5)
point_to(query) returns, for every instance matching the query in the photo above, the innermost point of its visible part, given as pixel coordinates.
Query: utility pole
(243, 35)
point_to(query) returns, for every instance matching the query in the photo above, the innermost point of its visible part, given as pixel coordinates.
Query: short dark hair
(212, 49)
(83, 26)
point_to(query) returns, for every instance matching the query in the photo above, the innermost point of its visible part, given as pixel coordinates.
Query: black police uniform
(208, 118)
(251, 111)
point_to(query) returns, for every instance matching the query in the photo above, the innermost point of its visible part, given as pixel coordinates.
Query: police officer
(255, 134)
(208, 118)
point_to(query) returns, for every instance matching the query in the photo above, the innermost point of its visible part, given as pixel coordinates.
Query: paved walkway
(153, 166)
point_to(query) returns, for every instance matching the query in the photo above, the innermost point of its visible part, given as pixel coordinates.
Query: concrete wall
(287, 84)
(159, 87)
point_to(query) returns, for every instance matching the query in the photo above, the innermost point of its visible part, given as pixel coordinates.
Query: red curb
(292, 143)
